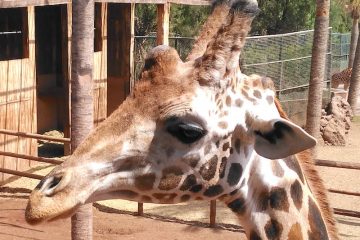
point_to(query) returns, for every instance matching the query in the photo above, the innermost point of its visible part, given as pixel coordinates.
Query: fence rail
(34, 136)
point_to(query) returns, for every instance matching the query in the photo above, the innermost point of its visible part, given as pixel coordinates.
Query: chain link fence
(285, 58)
(340, 47)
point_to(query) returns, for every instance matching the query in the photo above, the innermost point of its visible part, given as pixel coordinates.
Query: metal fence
(285, 58)
(340, 47)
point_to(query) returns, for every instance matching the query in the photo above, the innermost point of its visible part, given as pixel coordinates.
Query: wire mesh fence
(285, 58)
(340, 47)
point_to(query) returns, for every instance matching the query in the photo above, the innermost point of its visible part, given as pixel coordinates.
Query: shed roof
(25, 3)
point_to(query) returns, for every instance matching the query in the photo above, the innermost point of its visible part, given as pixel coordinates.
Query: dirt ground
(107, 226)
(116, 219)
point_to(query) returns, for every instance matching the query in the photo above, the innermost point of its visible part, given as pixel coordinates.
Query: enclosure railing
(324, 163)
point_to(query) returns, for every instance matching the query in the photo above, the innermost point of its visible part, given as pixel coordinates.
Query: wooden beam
(21, 174)
(140, 209)
(348, 213)
(163, 24)
(34, 136)
(344, 192)
(337, 164)
(32, 158)
(212, 213)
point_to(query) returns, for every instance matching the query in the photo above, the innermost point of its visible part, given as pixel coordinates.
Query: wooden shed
(35, 43)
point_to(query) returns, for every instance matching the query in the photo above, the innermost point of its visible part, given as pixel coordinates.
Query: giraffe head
(166, 142)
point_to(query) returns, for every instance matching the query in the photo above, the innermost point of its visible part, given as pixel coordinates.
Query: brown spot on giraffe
(246, 95)
(270, 99)
(295, 232)
(213, 191)
(278, 199)
(196, 188)
(273, 229)
(171, 178)
(237, 206)
(145, 182)
(228, 101)
(235, 173)
(189, 181)
(222, 167)
(226, 146)
(208, 170)
(316, 222)
(239, 102)
(296, 193)
(257, 94)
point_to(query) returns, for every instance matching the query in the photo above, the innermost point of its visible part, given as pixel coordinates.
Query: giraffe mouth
(46, 210)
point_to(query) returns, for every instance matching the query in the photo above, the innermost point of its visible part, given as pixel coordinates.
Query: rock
(335, 123)
(334, 133)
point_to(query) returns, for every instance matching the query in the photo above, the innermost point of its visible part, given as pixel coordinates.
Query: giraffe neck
(273, 201)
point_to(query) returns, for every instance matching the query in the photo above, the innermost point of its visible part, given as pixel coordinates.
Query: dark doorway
(51, 69)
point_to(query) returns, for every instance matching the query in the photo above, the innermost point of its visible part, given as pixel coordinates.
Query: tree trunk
(82, 116)
(354, 89)
(354, 38)
(318, 66)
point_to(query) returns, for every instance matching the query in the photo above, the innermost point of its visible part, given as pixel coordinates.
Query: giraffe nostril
(49, 184)
(55, 182)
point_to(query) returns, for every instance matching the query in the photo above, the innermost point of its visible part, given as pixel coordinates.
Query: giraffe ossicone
(198, 130)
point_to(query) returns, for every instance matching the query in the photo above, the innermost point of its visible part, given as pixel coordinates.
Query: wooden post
(82, 112)
(120, 58)
(212, 213)
(140, 209)
(163, 19)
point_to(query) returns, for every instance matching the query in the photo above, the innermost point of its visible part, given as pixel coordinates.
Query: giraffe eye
(185, 132)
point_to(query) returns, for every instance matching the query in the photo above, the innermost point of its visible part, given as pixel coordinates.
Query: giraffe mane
(315, 183)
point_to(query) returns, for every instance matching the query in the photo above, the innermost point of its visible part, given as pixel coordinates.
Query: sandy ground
(182, 221)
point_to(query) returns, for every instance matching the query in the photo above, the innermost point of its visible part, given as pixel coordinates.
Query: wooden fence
(323, 163)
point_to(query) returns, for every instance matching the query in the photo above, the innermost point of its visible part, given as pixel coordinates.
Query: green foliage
(186, 21)
(340, 21)
(145, 19)
(282, 16)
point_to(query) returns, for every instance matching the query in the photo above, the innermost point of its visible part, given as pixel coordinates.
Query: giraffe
(199, 130)
(342, 77)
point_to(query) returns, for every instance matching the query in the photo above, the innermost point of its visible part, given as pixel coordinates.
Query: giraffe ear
(282, 138)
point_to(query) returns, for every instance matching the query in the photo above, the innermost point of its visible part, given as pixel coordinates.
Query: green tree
(186, 20)
(281, 16)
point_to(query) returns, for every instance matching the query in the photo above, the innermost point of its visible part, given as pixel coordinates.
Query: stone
(335, 123)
